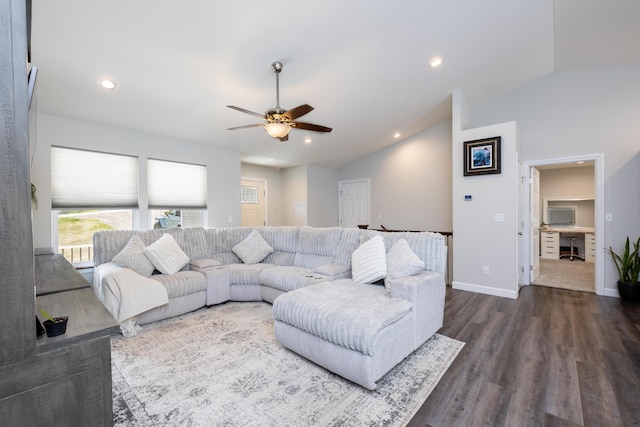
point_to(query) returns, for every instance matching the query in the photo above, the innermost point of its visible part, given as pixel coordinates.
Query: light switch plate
(499, 217)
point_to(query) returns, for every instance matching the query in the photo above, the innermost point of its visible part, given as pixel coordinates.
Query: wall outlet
(608, 217)
(485, 269)
(230, 219)
(499, 217)
(380, 216)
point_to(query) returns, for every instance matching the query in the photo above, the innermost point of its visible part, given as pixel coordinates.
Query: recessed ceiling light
(435, 62)
(307, 140)
(106, 83)
(580, 162)
(396, 135)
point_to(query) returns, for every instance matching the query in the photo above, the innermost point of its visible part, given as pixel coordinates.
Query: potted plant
(628, 265)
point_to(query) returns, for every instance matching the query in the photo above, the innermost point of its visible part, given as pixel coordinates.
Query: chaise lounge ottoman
(354, 330)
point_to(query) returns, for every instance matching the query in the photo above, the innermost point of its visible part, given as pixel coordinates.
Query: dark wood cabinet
(61, 381)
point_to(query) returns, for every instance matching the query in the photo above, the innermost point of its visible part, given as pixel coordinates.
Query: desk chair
(572, 255)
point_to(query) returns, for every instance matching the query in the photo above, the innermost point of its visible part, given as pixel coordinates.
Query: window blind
(82, 179)
(176, 185)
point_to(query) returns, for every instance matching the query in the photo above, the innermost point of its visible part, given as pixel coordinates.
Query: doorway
(253, 196)
(564, 223)
(354, 202)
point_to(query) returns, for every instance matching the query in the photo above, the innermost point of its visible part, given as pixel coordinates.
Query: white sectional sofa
(357, 330)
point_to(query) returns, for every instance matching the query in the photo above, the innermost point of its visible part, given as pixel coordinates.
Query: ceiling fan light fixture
(277, 130)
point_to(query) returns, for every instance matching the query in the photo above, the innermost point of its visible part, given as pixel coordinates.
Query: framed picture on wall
(482, 156)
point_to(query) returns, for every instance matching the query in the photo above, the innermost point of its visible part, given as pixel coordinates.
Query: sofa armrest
(426, 290)
(334, 271)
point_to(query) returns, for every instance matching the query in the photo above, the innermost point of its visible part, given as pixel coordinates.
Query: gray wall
(294, 200)
(322, 196)
(584, 112)
(223, 167)
(410, 181)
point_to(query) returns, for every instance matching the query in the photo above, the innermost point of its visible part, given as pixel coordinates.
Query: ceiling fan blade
(246, 126)
(300, 111)
(284, 138)
(242, 110)
(310, 126)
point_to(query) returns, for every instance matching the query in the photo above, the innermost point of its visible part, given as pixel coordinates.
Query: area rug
(221, 366)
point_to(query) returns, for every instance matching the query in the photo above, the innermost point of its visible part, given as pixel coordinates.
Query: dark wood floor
(552, 357)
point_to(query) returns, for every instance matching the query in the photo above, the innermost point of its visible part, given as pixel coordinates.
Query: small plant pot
(56, 328)
(629, 292)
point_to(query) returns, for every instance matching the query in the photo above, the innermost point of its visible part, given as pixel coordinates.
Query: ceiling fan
(278, 121)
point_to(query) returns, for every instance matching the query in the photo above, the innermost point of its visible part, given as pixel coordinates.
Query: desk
(551, 239)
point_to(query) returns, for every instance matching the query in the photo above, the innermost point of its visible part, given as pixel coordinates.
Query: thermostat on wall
(467, 197)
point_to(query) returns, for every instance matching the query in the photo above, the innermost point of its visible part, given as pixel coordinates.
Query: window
(161, 218)
(173, 185)
(90, 191)
(248, 194)
(83, 179)
(75, 230)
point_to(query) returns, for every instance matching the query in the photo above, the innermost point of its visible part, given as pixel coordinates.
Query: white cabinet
(590, 247)
(549, 244)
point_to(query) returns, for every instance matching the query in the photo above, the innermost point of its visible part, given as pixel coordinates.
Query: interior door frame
(598, 170)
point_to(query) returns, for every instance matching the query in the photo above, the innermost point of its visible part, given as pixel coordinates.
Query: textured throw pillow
(402, 261)
(166, 255)
(132, 256)
(369, 261)
(252, 249)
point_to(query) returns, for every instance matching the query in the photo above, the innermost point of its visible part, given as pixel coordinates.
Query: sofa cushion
(317, 246)
(369, 261)
(132, 256)
(331, 269)
(246, 274)
(182, 283)
(286, 278)
(253, 248)
(343, 312)
(166, 255)
(402, 261)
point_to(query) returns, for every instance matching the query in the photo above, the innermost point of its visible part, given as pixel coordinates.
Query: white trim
(598, 170)
(266, 195)
(498, 292)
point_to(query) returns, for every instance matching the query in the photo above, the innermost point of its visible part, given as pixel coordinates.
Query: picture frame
(482, 156)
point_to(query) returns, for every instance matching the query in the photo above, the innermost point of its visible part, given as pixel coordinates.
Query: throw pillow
(166, 255)
(402, 261)
(132, 256)
(252, 249)
(369, 261)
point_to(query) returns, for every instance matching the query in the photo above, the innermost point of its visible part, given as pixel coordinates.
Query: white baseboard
(485, 290)
(608, 292)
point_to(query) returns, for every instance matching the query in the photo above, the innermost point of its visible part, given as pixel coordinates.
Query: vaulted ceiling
(363, 65)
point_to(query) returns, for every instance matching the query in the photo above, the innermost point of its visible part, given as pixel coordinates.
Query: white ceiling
(362, 64)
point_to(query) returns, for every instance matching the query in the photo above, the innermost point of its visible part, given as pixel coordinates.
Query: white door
(354, 202)
(534, 193)
(252, 199)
